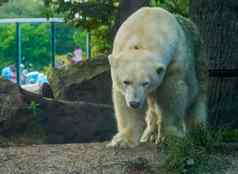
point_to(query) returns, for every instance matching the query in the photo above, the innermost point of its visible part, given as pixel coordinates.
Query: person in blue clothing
(6, 73)
(9, 73)
(36, 77)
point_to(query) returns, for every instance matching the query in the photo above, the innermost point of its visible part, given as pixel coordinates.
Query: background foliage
(97, 16)
(35, 38)
(101, 16)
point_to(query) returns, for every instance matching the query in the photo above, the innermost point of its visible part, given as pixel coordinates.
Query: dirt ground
(94, 158)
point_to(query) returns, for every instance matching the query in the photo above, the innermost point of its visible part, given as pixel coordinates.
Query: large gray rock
(90, 82)
(12, 112)
(69, 122)
(58, 121)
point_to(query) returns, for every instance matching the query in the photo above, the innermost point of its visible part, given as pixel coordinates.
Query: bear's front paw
(151, 135)
(121, 141)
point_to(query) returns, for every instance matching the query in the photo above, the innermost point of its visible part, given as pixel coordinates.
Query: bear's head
(136, 74)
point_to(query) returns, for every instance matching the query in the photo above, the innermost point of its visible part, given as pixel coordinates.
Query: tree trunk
(126, 8)
(218, 24)
(3, 1)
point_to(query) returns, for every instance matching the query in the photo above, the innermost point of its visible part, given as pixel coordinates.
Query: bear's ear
(160, 68)
(110, 59)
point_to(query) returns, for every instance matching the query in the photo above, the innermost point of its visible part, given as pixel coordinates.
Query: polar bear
(159, 80)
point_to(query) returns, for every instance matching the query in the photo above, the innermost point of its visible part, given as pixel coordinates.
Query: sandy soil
(94, 158)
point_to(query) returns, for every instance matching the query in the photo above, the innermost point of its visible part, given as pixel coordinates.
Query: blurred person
(69, 57)
(9, 73)
(77, 56)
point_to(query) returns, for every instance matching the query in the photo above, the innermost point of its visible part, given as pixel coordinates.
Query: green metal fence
(53, 22)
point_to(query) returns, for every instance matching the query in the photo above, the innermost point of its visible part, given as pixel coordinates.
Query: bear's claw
(151, 135)
(121, 142)
(146, 136)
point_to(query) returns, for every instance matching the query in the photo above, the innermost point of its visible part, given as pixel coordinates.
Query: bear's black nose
(134, 104)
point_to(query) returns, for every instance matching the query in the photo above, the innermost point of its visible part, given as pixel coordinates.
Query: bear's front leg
(123, 139)
(151, 130)
(153, 121)
(130, 123)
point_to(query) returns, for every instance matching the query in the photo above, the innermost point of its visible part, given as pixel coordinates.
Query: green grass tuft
(191, 154)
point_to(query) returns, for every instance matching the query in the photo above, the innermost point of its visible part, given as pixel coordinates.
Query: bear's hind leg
(173, 108)
(197, 114)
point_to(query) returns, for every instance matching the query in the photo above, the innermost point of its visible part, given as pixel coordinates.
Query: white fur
(149, 39)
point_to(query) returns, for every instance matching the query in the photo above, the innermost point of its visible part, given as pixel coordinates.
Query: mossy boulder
(13, 112)
(88, 82)
(81, 111)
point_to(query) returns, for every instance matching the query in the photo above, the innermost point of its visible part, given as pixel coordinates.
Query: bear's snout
(134, 104)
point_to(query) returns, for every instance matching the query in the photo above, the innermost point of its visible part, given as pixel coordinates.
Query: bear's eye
(126, 82)
(145, 84)
(159, 70)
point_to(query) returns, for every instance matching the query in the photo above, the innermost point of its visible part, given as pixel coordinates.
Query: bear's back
(148, 28)
(195, 43)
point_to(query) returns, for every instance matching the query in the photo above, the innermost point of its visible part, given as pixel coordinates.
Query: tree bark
(3, 1)
(126, 8)
(218, 24)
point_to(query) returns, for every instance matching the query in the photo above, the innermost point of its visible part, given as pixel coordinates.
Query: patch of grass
(191, 154)
(229, 135)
